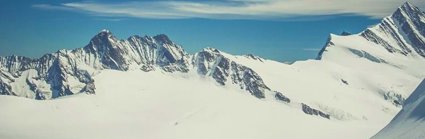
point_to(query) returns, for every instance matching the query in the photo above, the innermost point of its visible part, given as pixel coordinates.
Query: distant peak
(103, 37)
(407, 11)
(328, 43)
(162, 38)
(346, 33)
(408, 7)
(210, 49)
(251, 56)
(104, 33)
(105, 30)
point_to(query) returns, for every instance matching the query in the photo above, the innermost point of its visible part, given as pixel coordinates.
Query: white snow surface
(409, 123)
(139, 104)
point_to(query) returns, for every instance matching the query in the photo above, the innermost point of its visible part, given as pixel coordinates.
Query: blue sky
(283, 30)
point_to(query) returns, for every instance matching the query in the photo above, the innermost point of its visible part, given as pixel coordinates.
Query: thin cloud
(233, 9)
(110, 19)
(52, 7)
(311, 49)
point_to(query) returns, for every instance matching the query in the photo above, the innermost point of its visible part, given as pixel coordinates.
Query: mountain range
(356, 80)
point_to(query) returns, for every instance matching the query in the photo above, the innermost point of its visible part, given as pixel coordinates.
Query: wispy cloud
(52, 7)
(311, 49)
(233, 9)
(110, 19)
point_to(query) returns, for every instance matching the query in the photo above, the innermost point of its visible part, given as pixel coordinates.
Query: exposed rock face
(402, 33)
(211, 62)
(328, 43)
(345, 33)
(308, 110)
(5, 89)
(405, 27)
(251, 56)
(281, 97)
(107, 52)
(5, 80)
(68, 72)
(395, 98)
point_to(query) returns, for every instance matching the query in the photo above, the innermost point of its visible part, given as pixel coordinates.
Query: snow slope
(155, 105)
(409, 122)
(387, 58)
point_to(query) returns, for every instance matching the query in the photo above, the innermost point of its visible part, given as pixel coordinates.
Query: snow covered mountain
(69, 72)
(409, 122)
(212, 62)
(396, 45)
(355, 87)
(403, 32)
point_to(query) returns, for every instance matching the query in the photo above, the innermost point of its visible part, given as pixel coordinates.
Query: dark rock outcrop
(279, 96)
(405, 27)
(211, 62)
(311, 111)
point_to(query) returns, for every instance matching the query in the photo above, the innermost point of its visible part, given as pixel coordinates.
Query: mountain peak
(408, 8)
(101, 40)
(346, 33)
(162, 38)
(104, 32)
(210, 49)
(407, 5)
(402, 32)
(103, 35)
